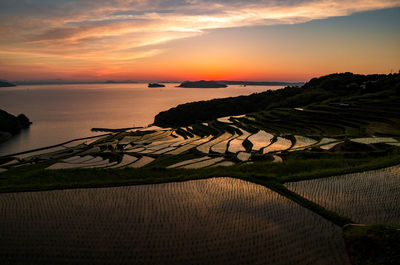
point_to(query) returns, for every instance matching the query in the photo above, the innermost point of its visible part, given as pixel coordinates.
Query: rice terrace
(305, 175)
(200, 132)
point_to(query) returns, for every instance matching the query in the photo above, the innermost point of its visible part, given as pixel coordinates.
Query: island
(4, 83)
(155, 85)
(11, 125)
(202, 84)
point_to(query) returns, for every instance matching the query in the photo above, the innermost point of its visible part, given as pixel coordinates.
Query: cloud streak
(118, 32)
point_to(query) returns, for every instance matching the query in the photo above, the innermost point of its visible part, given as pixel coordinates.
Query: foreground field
(365, 197)
(213, 221)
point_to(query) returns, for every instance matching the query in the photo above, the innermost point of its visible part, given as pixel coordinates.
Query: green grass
(247, 145)
(297, 166)
(373, 244)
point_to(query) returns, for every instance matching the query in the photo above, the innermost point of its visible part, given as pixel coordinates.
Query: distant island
(71, 82)
(11, 125)
(225, 83)
(202, 84)
(194, 84)
(155, 85)
(4, 83)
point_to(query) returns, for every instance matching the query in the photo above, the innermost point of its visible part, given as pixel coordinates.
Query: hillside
(329, 104)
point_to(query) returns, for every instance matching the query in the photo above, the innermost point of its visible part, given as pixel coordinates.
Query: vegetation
(323, 100)
(35, 177)
(197, 112)
(373, 244)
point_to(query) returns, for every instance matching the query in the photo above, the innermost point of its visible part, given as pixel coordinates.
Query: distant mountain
(262, 83)
(71, 82)
(202, 84)
(118, 81)
(10, 124)
(4, 83)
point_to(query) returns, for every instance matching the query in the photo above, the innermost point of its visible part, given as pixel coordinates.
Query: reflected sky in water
(64, 112)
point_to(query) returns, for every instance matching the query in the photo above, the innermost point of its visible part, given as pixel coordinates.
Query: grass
(373, 244)
(247, 145)
(297, 166)
(329, 215)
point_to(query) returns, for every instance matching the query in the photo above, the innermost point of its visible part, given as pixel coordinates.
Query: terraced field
(236, 139)
(281, 144)
(320, 129)
(366, 197)
(213, 221)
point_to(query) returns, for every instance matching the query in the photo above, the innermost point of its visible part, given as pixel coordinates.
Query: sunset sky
(287, 40)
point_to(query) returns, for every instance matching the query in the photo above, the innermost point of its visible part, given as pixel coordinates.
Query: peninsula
(4, 83)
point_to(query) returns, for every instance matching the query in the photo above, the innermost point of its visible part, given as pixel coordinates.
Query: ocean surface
(64, 112)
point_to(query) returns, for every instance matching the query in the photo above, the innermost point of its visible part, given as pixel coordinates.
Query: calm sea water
(64, 112)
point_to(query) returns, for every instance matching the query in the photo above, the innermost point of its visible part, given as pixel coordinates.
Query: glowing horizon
(274, 40)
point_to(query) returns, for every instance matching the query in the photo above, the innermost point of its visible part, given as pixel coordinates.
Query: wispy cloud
(120, 31)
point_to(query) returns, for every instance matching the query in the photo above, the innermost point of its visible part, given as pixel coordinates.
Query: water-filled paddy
(213, 221)
(65, 112)
(365, 197)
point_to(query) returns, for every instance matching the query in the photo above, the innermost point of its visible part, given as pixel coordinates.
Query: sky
(270, 40)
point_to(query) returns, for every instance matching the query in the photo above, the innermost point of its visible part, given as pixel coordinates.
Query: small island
(155, 85)
(4, 83)
(202, 84)
(11, 125)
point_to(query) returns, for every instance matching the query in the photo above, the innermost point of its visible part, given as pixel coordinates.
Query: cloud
(118, 31)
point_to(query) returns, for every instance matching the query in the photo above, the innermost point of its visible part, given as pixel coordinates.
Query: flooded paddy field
(96, 105)
(232, 143)
(365, 197)
(212, 221)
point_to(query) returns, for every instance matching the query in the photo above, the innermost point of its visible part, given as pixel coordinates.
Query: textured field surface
(366, 197)
(302, 141)
(204, 163)
(213, 221)
(280, 145)
(260, 139)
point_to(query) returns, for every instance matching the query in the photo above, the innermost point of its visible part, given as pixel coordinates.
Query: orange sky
(197, 39)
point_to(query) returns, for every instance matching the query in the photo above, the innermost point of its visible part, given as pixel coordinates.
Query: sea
(65, 112)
